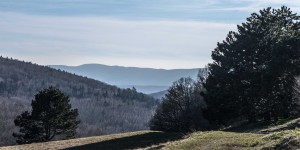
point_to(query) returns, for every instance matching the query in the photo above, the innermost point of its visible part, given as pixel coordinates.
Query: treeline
(252, 78)
(103, 109)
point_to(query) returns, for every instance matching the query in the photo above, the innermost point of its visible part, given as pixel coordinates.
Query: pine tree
(254, 69)
(51, 116)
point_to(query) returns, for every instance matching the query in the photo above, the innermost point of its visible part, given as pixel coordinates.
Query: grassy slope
(284, 135)
(238, 141)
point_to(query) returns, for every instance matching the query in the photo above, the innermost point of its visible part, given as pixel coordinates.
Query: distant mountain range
(146, 80)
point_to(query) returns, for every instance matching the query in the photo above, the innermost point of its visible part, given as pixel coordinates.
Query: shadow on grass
(263, 127)
(132, 142)
(248, 127)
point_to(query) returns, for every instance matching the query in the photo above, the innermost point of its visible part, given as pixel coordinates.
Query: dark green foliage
(51, 116)
(181, 108)
(254, 69)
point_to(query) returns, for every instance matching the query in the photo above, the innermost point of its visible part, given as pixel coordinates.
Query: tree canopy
(181, 108)
(51, 115)
(254, 69)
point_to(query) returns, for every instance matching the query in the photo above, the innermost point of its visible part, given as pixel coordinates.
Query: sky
(164, 34)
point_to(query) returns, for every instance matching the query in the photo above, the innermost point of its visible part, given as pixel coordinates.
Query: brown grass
(53, 145)
(281, 136)
(132, 140)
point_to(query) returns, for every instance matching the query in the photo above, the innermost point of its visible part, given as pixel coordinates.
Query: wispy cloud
(201, 10)
(256, 5)
(156, 33)
(77, 40)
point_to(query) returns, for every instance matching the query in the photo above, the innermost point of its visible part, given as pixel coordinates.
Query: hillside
(146, 80)
(159, 95)
(286, 137)
(103, 109)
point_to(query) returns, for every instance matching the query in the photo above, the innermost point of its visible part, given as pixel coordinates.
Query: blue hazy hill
(147, 80)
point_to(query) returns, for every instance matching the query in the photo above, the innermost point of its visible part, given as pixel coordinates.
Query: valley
(103, 108)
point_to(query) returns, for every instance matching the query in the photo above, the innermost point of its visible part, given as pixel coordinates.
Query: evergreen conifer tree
(254, 69)
(51, 116)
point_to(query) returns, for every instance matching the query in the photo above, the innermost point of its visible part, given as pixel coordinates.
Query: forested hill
(103, 109)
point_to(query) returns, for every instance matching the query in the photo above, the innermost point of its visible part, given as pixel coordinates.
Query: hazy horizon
(161, 34)
(112, 65)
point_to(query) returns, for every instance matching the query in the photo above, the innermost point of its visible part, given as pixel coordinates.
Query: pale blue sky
(141, 33)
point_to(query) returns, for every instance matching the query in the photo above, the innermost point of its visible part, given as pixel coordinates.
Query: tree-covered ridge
(103, 109)
(19, 78)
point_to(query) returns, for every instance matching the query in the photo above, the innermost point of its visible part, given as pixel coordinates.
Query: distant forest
(103, 109)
